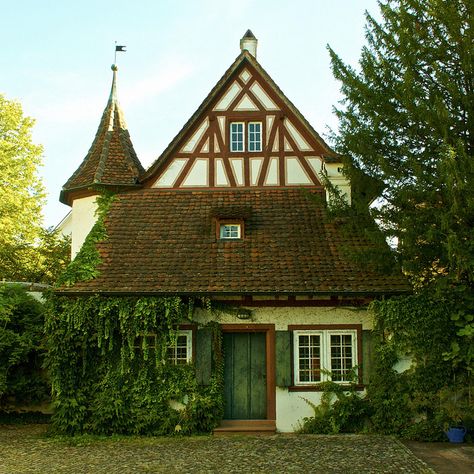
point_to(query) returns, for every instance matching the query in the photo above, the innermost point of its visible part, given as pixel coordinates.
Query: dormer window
(230, 231)
(241, 141)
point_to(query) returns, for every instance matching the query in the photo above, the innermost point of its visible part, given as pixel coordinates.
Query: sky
(56, 56)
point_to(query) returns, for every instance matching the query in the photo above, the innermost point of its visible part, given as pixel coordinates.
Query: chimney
(249, 43)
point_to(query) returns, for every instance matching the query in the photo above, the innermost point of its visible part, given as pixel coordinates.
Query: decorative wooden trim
(229, 171)
(307, 168)
(211, 168)
(184, 172)
(269, 330)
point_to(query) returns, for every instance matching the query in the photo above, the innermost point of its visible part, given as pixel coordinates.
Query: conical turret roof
(111, 161)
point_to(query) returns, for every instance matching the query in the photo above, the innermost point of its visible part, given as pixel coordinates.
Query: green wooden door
(245, 378)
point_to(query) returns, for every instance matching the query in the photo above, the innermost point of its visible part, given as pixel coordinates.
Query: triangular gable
(245, 94)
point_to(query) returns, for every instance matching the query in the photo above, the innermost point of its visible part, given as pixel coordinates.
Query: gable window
(237, 136)
(246, 136)
(230, 231)
(180, 352)
(255, 136)
(322, 355)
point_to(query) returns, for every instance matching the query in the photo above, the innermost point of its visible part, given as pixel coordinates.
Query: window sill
(320, 388)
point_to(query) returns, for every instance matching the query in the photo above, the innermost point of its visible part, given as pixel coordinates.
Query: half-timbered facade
(233, 210)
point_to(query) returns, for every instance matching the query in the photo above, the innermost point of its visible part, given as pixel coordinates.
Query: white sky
(56, 56)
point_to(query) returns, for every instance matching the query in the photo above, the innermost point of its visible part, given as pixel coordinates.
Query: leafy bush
(22, 380)
(342, 410)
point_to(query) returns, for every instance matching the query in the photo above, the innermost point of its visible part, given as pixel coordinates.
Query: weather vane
(120, 48)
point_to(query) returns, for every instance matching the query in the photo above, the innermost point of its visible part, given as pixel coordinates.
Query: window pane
(309, 358)
(255, 136)
(341, 357)
(236, 136)
(230, 231)
(179, 352)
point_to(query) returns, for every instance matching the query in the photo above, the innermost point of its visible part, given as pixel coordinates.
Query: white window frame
(325, 353)
(250, 142)
(222, 231)
(231, 141)
(173, 358)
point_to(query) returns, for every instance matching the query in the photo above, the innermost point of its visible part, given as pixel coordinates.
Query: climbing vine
(106, 375)
(84, 266)
(416, 389)
(107, 378)
(410, 402)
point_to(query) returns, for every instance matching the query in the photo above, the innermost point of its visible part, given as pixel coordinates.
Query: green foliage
(342, 410)
(104, 381)
(27, 251)
(21, 348)
(417, 403)
(106, 378)
(407, 121)
(406, 128)
(409, 403)
(84, 266)
(21, 191)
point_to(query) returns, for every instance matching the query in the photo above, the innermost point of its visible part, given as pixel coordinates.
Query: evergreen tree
(407, 120)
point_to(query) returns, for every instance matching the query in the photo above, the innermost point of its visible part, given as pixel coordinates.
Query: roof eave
(199, 294)
(65, 194)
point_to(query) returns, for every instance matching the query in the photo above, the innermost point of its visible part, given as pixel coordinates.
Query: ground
(26, 449)
(445, 458)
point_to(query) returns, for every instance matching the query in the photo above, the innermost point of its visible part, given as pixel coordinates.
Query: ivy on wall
(419, 328)
(418, 403)
(106, 378)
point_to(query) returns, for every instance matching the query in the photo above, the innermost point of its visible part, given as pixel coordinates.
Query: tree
(27, 251)
(22, 379)
(407, 120)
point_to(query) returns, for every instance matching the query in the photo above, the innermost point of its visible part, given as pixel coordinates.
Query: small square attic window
(230, 231)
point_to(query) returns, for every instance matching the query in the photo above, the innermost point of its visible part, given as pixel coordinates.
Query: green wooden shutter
(366, 356)
(203, 360)
(283, 358)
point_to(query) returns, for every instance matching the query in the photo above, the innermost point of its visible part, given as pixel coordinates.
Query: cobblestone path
(25, 449)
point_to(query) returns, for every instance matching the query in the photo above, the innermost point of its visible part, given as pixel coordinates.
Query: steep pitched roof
(243, 58)
(163, 242)
(111, 160)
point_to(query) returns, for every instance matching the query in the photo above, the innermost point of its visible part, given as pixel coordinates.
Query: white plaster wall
(284, 316)
(291, 407)
(335, 176)
(83, 218)
(65, 226)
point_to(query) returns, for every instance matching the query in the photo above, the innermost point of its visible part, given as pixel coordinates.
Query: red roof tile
(111, 160)
(165, 242)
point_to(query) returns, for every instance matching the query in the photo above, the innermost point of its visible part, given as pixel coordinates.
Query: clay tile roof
(164, 242)
(111, 160)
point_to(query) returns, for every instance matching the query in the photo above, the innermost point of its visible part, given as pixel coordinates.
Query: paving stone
(26, 449)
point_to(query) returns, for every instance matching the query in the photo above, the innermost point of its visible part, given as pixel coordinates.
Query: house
(234, 210)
